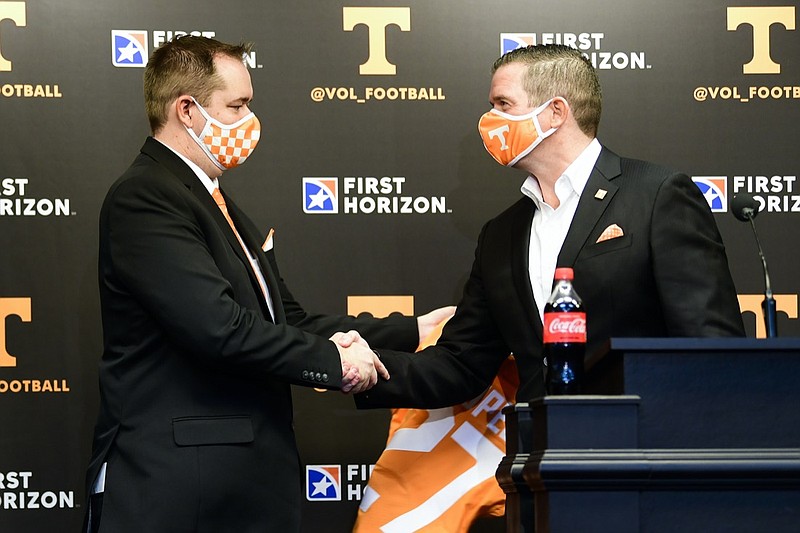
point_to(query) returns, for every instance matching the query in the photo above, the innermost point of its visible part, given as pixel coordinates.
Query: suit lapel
(594, 200)
(180, 170)
(520, 234)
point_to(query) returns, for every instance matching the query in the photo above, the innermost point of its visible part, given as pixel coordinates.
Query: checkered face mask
(227, 145)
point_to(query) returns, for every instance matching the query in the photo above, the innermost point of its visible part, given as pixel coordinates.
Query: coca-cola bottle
(564, 336)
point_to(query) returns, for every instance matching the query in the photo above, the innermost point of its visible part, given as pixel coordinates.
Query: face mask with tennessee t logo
(227, 145)
(509, 138)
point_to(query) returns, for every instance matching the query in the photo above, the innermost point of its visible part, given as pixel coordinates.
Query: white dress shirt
(550, 225)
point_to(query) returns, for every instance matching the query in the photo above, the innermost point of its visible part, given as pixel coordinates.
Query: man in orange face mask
(202, 337)
(647, 257)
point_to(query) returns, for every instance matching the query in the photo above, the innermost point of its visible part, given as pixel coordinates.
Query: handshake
(360, 365)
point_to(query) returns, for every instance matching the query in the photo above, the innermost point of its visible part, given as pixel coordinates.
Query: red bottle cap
(564, 273)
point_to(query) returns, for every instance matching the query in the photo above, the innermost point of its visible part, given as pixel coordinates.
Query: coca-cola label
(565, 327)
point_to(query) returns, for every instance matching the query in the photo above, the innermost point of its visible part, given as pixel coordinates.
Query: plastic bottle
(564, 336)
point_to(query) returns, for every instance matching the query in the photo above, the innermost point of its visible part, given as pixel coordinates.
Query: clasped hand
(360, 365)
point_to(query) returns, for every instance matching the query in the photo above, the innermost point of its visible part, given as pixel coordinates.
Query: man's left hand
(427, 323)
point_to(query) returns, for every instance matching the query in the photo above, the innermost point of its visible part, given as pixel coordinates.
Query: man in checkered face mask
(202, 338)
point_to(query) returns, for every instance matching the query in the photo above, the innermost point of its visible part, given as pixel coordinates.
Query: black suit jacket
(195, 419)
(667, 276)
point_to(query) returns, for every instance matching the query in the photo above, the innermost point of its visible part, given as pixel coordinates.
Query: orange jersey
(437, 471)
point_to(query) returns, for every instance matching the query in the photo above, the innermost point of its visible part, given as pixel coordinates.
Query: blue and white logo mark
(320, 196)
(715, 190)
(512, 41)
(129, 48)
(323, 483)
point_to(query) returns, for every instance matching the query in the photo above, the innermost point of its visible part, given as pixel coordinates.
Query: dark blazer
(195, 419)
(667, 276)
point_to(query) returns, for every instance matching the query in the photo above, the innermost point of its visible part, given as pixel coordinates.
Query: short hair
(184, 65)
(559, 70)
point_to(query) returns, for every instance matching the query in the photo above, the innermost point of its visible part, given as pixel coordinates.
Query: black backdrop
(677, 91)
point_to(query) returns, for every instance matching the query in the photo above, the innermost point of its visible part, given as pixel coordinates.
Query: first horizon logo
(129, 48)
(320, 195)
(323, 483)
(366, 195)
(715, 191)
(589, 43)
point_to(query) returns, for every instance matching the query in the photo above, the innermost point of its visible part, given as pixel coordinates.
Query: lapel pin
(600, 194)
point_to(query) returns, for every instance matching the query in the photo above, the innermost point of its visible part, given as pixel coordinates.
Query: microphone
(745, 208)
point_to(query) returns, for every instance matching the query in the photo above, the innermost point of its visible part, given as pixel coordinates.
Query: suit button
(319, 376)
(325, 378)
(305, 374)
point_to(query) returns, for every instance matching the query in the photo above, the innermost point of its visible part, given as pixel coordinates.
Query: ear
(561, 112)
(186, 111)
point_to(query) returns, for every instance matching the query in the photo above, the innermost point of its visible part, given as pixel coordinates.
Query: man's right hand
(360, 365)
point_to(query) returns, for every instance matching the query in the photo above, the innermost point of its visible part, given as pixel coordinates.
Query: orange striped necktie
(217, 195)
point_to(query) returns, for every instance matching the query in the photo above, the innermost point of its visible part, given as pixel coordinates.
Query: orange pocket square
(268, 243)
(611, 232)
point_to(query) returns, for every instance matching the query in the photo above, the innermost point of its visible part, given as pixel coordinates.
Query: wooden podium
(672, 435)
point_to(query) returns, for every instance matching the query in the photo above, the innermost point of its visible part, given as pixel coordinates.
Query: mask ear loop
(540, 109)
(218, 123)
(203, 112)
(199, 140)
(540, 134)
(535, 118)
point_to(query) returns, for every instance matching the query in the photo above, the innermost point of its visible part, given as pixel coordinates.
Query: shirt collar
(577, 174)
(209, 183)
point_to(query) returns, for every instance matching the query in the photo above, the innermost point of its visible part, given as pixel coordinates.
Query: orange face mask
(227, 145)
(509, 138)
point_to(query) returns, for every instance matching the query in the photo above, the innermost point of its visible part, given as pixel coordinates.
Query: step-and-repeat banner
(370, 170)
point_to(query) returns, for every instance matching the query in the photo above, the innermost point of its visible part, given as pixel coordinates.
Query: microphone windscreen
(744, 206)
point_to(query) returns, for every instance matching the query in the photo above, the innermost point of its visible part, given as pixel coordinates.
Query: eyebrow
(497, 97)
